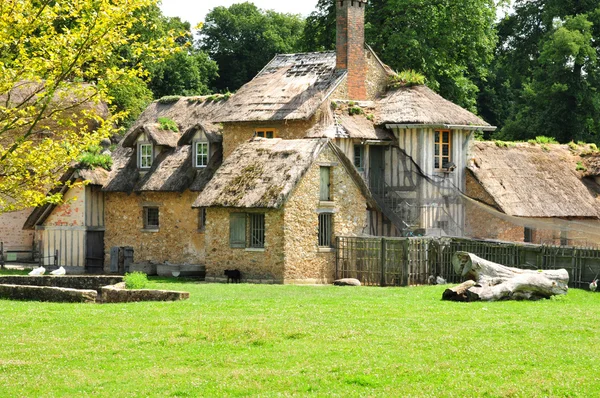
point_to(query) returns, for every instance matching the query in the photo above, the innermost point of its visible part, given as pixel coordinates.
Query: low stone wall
(115, 294)
(84, 282)
(43, 293)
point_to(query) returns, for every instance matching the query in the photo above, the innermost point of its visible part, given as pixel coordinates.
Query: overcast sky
(194, 11)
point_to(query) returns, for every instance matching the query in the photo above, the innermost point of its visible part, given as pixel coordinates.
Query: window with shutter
(237, 230)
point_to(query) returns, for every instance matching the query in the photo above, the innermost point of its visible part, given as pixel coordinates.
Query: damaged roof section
(530, 181)
(262, 173)
(290, 87)
(421, 105)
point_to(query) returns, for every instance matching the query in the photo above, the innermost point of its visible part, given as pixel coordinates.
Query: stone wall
(256, 264)
(235, 134)
(12, 233)
(87, 282)
(304, 260)
(377, 77)
(177, 240)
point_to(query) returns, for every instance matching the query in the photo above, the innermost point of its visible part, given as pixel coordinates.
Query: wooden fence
(410, 261)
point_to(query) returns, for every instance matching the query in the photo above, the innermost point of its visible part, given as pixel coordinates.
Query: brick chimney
(350, 45)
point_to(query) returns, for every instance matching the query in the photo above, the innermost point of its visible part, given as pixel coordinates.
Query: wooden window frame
(202, 219)
(528, 235)
(263, 132)
(142, 156)
(325, 191)
(325, 232)
(361, 157)
(257, 230)
(195, 157)
(147, 224)
(438, 156)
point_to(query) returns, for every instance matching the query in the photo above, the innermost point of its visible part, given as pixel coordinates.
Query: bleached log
(494, 281)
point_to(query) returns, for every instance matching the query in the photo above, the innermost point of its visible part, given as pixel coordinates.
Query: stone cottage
(529, 193)
(257, 166)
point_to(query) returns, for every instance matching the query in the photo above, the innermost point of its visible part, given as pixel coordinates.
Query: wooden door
(376, 168)
(94, 256)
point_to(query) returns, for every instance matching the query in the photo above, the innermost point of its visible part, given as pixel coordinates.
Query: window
(237, 230)
(200, 154)
(201, 219)
(359, 157)
(325, 229)
(265, 133)
(257, 230)
(528, 235)
(564, 238)
(325, 192)
(145, 151)
(151, 218)
(442, 149)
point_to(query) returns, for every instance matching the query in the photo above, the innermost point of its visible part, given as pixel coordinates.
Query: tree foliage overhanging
(57, 66)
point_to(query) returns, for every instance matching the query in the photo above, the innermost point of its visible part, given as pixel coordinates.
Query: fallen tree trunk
(490, 281)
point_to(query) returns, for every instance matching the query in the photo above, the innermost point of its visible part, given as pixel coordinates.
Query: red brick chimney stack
(350, 45)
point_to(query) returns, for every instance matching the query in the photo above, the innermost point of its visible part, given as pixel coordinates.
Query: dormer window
(145, 155)
(265, 133)
(201, 154)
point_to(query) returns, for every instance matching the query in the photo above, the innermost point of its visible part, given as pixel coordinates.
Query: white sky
(194, 11)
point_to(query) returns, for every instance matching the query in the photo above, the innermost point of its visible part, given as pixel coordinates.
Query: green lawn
(262, 340)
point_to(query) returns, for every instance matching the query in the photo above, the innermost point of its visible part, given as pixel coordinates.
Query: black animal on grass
(234, 274)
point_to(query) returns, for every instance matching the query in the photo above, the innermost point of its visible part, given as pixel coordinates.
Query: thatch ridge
(260, 173)
(290, 87)
(531, 181)
(421, 105)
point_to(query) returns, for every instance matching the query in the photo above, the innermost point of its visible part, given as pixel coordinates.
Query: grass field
(261, 340)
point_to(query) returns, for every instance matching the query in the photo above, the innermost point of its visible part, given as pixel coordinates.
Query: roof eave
(440, 126)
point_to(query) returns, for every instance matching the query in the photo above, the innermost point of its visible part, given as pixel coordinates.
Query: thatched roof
(187, 112)
(96, 176)
(529, 181)
(592, 164)
(290, 87)
(421, 105)
(155, 134)
(340, 124)
(171, 171)
(262, 173)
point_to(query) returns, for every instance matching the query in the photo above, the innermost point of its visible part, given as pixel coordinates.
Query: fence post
(2, 255)
(56, 258)
(40, 253)
(383, 263)
(337, 256)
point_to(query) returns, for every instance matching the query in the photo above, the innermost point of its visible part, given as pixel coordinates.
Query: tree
(57, 62)
(547, 59)
(242, 39)
(186, 72)
(450, 42)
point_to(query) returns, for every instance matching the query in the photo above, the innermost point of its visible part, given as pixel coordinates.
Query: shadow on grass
(178, 280)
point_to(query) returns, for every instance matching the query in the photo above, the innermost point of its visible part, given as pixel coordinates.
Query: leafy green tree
(242, 39)
(450, 42)
(57, 62)
(547, 63)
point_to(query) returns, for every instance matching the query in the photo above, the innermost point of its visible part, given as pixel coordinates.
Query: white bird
(594, 285)
(38, 271)
(60, 271)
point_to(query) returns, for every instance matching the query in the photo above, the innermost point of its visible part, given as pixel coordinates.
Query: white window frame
(205, 157)
(142, 156)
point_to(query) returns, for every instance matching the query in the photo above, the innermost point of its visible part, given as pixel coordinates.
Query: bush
(168, 124)
(135, 280)
(407, 78)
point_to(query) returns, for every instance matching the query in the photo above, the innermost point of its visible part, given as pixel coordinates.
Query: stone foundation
(69, 282)
(115, 294)
(44, 293)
